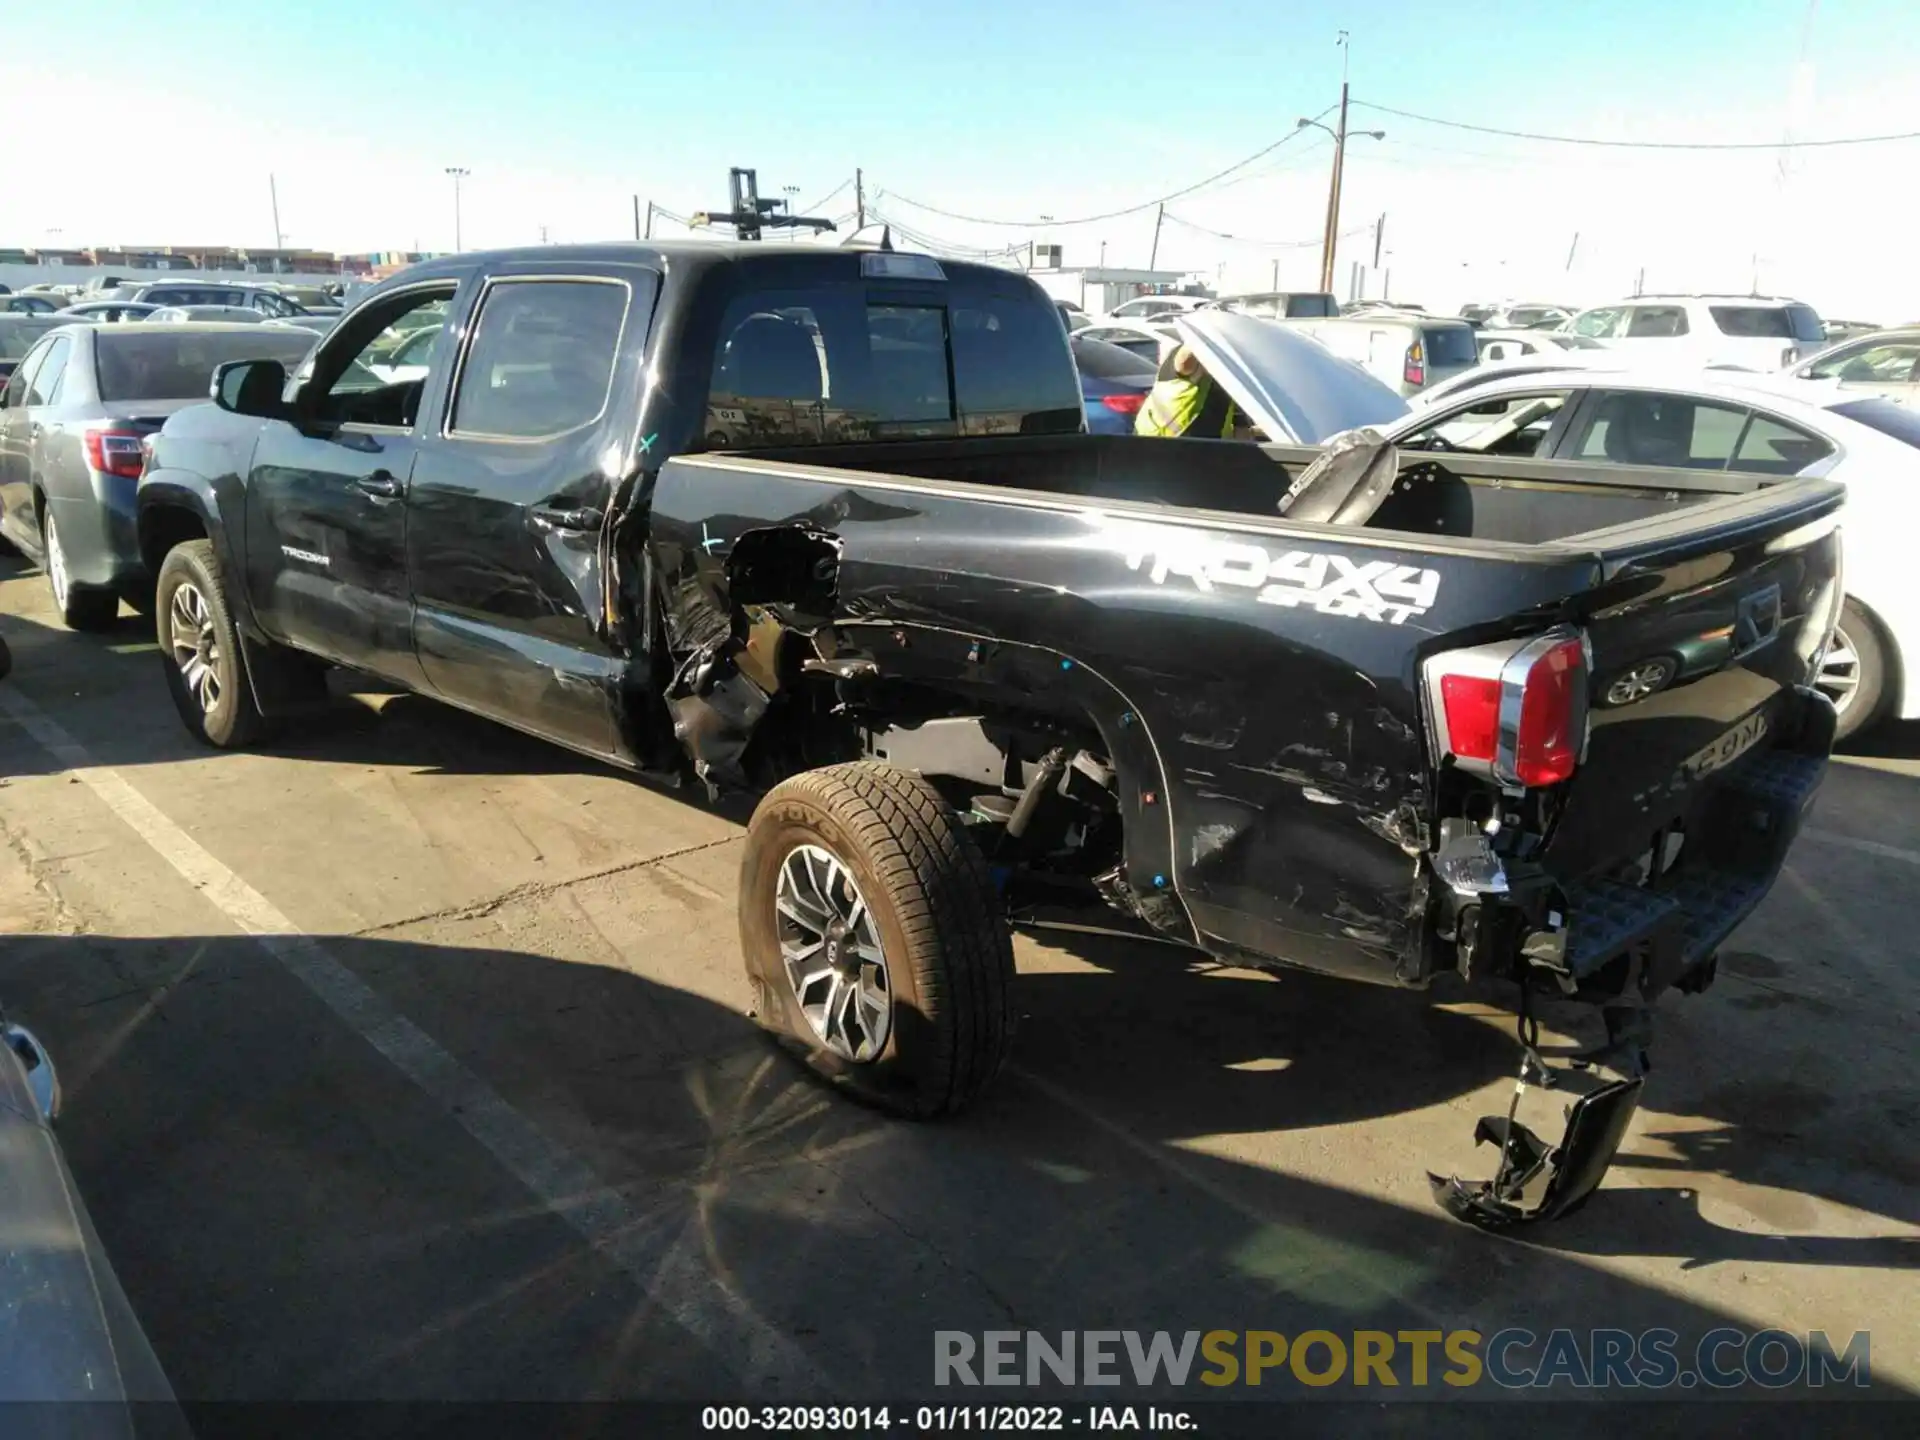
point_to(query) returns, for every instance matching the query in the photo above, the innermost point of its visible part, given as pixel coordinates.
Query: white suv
(1752, 332)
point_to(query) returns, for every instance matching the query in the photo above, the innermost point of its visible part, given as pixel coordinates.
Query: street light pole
(458, 173)
(1329, 238)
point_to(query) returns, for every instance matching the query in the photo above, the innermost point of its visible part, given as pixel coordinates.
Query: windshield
(1768, 322)
(179, 365)
(1889, 418)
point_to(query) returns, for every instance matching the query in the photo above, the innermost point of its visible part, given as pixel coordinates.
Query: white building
(1097, 289)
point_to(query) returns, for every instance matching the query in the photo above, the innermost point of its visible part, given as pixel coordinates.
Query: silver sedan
(73, 419)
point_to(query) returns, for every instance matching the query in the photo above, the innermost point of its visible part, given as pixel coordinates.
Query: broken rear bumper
(1657, 921)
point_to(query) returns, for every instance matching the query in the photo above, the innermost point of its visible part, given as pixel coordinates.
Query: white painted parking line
(1865, 847)
(664, 1260)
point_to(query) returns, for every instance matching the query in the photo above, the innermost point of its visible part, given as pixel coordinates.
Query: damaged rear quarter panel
(1282, 790)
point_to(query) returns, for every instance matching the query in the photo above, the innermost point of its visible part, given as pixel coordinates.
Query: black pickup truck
(824, 525)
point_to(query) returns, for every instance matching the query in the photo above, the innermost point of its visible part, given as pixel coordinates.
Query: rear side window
(1656, 322)
(1450, 345)
(1638, 427)
(136, 364)
(1773, 447)
(45, 384)
(839, 362)
(541, 359)
(1308, 307)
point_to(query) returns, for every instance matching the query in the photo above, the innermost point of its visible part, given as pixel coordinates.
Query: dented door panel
(1270, 673)
(508, 550)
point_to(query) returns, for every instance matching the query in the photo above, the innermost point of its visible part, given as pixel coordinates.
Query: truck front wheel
(200, 647)
(875, 939)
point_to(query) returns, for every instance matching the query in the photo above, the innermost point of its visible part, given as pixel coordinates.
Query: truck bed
(1284, 784)
(1445, 495)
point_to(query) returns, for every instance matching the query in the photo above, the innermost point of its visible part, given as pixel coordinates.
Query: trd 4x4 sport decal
(1321, 580)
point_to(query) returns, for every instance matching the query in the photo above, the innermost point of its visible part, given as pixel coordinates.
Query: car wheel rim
(195, 647)
(1638, 683)
(831, 949)
(56, 563)
(1840, 671)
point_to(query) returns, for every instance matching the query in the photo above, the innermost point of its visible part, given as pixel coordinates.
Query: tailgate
(1707, 619)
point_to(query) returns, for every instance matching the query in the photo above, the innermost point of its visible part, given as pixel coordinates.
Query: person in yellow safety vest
(1185, 401)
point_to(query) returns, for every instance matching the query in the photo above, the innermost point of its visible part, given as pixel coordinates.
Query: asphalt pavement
(406, 1058)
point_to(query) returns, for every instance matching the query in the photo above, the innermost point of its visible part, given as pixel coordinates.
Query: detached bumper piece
(1535, 1181)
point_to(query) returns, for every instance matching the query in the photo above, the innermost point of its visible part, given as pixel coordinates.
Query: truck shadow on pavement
(294, 1218)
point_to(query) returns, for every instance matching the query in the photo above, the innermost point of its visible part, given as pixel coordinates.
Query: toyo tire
(200, 649)
(875, 938)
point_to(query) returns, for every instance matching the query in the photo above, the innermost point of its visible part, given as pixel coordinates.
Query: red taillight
(1539, 687)
(1415, 370)
(115, 452)
(1473, 715)
(1552, 704)
(1124, 404)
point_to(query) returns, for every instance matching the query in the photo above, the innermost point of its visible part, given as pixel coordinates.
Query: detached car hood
(1292, 387)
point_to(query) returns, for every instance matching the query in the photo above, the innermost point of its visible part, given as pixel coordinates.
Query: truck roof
(685, 253)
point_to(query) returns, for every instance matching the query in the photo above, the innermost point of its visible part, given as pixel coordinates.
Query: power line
(1263, 151)
(1267, 244)
(815, 206)
(1643, 144)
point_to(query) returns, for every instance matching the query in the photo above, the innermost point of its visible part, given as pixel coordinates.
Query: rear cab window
(859, 357)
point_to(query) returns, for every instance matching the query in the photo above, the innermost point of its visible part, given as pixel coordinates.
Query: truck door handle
(561, 517)
(380, 483)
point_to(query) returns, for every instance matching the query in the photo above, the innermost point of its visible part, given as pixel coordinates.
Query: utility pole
(636, 217)
(1331, 237)
(274, 191)
(1379, 231)
(649, 234)
(458, 173)
(1158, 216)
(1333, 179)
(1571, 249)
(1103, 254)
(1276, 274)
(859, 199)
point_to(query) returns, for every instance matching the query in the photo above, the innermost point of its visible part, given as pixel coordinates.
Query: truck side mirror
(252, 387)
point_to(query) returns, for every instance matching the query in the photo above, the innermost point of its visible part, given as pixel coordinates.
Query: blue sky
(564, 109)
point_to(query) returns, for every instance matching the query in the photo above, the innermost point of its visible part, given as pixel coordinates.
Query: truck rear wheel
(874, 938)
(200, 648)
